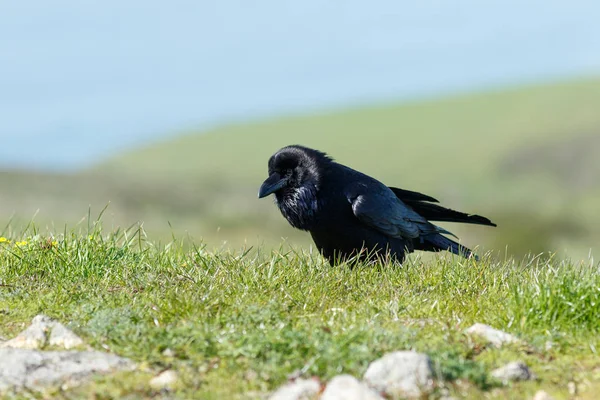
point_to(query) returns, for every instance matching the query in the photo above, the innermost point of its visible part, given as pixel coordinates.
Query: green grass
(240, 322)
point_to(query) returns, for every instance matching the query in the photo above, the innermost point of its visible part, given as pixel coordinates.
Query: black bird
(350, 214)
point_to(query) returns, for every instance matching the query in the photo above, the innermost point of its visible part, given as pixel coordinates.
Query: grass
(239, 323)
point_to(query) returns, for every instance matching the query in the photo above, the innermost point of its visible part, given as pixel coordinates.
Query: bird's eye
(288, 166)
(285, 171)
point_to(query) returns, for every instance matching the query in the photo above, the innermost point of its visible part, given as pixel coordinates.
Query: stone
(347, 387)
(445, 394)
(514, 371)
(61, 336)
(401, 374)
(165, 380)
(168, 353)
(30, 369)
(300, 389)
(541, 395)
(44, 331)
(33, 337)
(496, 337)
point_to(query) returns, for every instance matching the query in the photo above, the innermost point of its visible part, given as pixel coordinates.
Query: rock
(401, 374)
(300, 389)
(61, 336)
(541, 395)
(445, 394)
(347, 387)
(514, 371)
(32, 369)
(33, 337)
(168, 353)
(165, 380)
(44, 331)
(572, 387)
(493, 336)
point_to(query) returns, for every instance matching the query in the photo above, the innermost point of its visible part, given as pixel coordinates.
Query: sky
(81, 80)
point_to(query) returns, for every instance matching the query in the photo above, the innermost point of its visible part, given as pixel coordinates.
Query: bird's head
(293, 168)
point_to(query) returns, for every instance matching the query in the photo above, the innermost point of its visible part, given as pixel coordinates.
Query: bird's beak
(273, 183)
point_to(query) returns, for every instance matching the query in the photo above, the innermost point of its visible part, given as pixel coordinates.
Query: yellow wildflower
(21, 243)
(4, 240)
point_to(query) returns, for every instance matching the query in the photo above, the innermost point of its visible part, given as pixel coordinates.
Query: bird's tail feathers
(435, 212)
(438, 242)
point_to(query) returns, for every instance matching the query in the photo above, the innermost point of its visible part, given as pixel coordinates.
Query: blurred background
(169, 111)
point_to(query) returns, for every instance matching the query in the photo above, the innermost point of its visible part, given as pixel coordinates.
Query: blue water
(83, 79)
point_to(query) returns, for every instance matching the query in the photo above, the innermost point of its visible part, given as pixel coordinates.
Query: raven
(349, 214)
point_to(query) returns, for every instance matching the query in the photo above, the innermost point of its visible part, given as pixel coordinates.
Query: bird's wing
(409, 195)
(379, 208)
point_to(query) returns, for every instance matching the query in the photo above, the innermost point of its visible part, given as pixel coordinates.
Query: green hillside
(388, 141)
(525, 157)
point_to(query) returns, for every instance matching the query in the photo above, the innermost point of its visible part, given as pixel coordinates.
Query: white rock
(541, 395)
(44, 331)
(34, 369)
(401, 374)
(445, 394)
(514, 371)
(61, 336)
(300, 389)
(33, 337)
(347, 387)
(168, 353)
(165, 380)
(493, 336)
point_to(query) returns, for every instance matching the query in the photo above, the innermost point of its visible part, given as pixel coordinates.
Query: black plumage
(350, 214)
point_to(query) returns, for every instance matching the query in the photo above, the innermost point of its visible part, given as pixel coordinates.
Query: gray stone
(445, 394)
(514, 371)
(541, 395)
(300, 389)
(168, 353)
(44, 331)
(401, 374)
(33, 337)
(491, 335)
(347, 387)
(61, 336)
(34, 369)
(165, 380)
